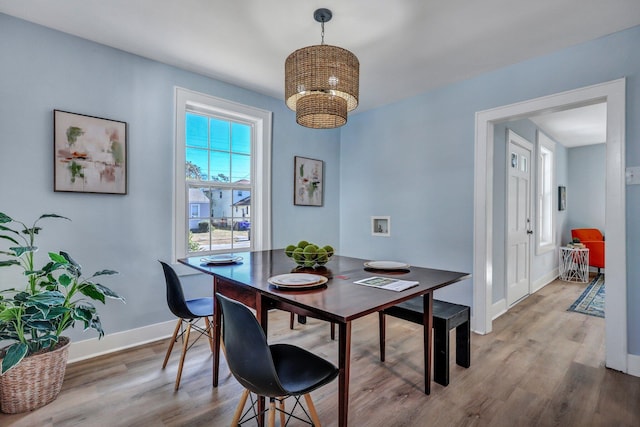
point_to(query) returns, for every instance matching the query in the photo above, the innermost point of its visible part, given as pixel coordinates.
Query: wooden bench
(446, 316)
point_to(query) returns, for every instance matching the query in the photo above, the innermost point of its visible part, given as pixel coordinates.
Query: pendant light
(321, 82)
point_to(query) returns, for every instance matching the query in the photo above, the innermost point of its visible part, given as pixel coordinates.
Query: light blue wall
(417, 155)
(586, 188)
(42, 70)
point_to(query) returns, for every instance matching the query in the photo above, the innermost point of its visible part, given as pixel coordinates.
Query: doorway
(613, 93)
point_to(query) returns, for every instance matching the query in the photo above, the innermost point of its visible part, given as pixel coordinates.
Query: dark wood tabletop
(340, 299)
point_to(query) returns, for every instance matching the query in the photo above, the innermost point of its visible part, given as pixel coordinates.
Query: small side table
(574, 264)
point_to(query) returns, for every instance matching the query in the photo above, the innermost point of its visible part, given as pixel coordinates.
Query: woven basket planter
(35, 381)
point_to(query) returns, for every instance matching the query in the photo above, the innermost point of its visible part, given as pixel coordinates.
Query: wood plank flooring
(542, 366)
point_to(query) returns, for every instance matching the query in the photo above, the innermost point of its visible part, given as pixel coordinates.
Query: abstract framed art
(308, 182)
(90, 154)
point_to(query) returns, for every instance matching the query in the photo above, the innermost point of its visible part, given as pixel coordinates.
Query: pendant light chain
(322, 33)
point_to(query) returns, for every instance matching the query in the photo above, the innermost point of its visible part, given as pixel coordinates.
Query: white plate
(387, 265)
(297, 280)
(221, 259)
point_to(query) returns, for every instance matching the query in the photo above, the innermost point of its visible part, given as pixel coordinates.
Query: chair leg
(333, 331)
(184, 353)
(282, 413)
(382, 322)
(291, 320)
(209, 329)
(312, 410)
(239, 408)
(272, 413)
(173, 341)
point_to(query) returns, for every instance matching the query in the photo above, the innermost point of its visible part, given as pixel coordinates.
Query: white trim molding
(261, 120)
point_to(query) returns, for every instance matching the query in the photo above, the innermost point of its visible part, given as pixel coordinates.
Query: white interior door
(519, 223)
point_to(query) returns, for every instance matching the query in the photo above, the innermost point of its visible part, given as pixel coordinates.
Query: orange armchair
(593, 239)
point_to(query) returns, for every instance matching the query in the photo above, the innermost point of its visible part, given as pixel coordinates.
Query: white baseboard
(498, 308)
(544, 280)
(93, 347)
(633, 365)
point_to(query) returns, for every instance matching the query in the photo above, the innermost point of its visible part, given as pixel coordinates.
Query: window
(545, 236)
(195, 210)
(222, 169)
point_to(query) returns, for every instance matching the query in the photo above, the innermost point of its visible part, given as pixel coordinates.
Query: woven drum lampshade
(321, 85)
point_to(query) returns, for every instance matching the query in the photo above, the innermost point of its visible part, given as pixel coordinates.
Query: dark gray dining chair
(276, 371)
(188, 312)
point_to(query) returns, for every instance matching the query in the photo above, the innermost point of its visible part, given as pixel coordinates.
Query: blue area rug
(591, 301)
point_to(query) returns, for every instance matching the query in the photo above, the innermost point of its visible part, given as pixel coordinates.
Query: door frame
(613, 93)
(516, 139)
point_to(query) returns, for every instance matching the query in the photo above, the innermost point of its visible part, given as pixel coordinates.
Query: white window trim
(544, 142)
(260, 198)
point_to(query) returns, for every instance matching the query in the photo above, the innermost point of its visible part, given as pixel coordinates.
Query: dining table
(339, 300)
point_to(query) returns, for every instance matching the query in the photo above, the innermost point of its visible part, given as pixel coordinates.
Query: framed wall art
(308, 182)
(562, 198)
(90, 154)
(381, 226)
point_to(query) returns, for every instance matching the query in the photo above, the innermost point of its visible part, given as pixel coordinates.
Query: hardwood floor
(542, 366)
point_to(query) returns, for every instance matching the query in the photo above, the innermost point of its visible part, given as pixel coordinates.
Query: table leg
(427, 321)
(217, 321)
(344, 355)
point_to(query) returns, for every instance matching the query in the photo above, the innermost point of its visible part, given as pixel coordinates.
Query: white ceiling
(576, 127)
(405, 47)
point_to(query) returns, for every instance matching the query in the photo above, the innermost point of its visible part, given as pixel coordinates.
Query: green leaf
(9, 335)
(4, 218)
(92, 291)
(108, 292)
(42, 325)
(33, 230)
(52, 216)
(74, 268)
(11, 239)
(49, 313)
(84, 314)
(9, 314)
(20, 250)
(56, 312)
(68, 258)
(14, 355)
(97, 325)
(9, 262)
(104, 273)
(5, 228)
(57, 258)
(48, 298)
(64, 280)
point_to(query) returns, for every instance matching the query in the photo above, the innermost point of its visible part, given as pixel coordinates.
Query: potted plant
(33, 318)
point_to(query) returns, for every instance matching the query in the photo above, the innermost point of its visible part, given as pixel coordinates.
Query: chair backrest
(587, 234)
(175, 295)
(246, 349)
